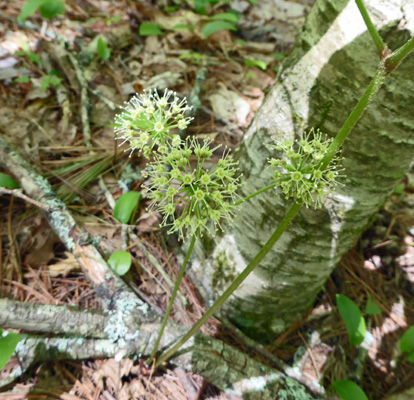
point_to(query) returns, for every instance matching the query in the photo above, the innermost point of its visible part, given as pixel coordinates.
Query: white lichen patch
(254, 384)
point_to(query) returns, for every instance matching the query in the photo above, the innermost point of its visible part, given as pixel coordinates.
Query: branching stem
(381, 46)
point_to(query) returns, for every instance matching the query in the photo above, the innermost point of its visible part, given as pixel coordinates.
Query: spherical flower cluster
(300, 174)
(178, 178)
(147, 120)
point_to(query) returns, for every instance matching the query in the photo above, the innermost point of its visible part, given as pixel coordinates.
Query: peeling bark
(330, 67)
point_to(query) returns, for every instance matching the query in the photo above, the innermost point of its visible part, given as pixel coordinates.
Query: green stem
(236, 283)
(355, 115)
(381, 46)
(173, 296)
(395, 58)
(254, 194)
(339, 139)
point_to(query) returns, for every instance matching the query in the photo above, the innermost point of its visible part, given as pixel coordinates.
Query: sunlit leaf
(120, 262)
(255, 63)
(372, 308)
(228, 16)
(216, 26)
(354, 321)
(102, 48)
(8, 344)
(407, 341)
(51, 8)
(348, 390)
(29, 8)
(148, 29)
(182, 26)
(126, 205)
(8, 182)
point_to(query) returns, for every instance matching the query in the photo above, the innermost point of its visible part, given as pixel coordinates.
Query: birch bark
(331, 65)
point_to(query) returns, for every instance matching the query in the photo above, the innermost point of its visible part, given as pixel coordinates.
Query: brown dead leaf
(64, 267)
(110, 373)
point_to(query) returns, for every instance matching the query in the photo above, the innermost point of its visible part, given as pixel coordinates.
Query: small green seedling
(48, 9)
(148, 29)
(126, 206)
(348, 390)
(120, 262)
(8, 182)
(255, 63)
(353, 318)
(103, 50)
(8, 343)
(50, 79)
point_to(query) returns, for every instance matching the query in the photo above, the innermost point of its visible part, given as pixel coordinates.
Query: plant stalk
(381, 46)
(236, 283)
(173, 296)
(395, 59)
(247, 198)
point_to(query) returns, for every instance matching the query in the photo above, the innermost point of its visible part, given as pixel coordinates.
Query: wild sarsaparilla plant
(194, 199)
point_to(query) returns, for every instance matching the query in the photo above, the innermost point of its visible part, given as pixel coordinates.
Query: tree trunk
(331, 65)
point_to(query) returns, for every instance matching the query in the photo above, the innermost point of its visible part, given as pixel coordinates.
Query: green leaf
(104, 51)
(399, 189)
(200, 6)
(348, 390)
(120, 262)
(372, 308)
(255, 63)
(51, 8)
(49, 80)
(407, 341)
(29, 8)
(33, 57)
(254, 2)
(216, 26)
(279, 56)
(22, 79)
(354, 321)
(410, 357)
(182, 26)
(8, 344)
(126, 205)
(8, 182)
(228, 16)
(148, 29)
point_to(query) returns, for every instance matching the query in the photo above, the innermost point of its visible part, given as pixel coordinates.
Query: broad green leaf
(22, 79)
(33, 57)
(348, 390)
(216, 26)
(29, 8)
(410, 357)
(126, 205)
(200, 6)
(148, 29)
(8, 344)
(354, 321)
(102, 48)
(228, 16)
(120, 262)
(182, 26)
(51, 8)
(8, 182)
(407, 341)
(255, 63)
(372, 308)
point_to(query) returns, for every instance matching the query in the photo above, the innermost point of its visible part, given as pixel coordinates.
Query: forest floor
(228, 73)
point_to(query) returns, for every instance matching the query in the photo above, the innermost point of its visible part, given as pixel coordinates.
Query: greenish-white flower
(299, 173)
(201, 197)
(148, 119)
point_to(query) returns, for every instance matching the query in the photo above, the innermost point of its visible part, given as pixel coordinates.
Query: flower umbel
(299, 174)
(178, 177)
(147, 120)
